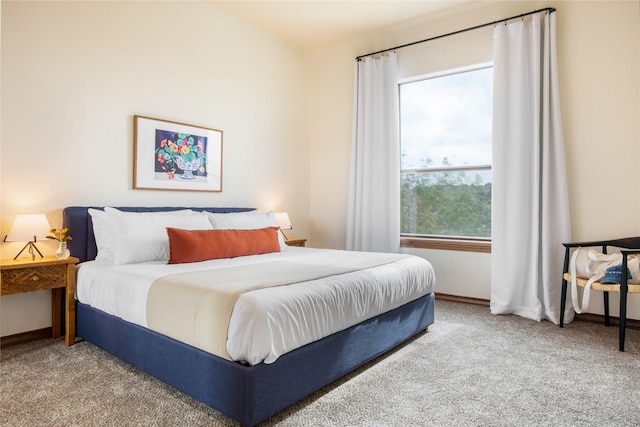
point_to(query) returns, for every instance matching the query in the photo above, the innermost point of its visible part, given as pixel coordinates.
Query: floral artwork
(180, 154)
(171, 155)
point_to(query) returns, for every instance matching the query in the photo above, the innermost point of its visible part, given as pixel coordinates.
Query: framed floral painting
(176, 156)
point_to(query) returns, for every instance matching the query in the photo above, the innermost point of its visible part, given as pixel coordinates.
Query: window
(445, 139)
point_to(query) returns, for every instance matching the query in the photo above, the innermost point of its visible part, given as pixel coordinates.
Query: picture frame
(170, 155)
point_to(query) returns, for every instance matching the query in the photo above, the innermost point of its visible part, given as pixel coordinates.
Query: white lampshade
(283, 221)
(28, 228)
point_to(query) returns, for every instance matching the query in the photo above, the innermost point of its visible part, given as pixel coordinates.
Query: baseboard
(613, 321)
(584, 317)
(458, 298)
(25, 337)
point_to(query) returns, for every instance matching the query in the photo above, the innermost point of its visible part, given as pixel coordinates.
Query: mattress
(269, 322)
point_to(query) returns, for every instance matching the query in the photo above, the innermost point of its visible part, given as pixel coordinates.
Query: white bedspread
(269, 322)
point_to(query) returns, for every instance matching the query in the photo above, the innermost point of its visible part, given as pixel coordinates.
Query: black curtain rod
(546, 9)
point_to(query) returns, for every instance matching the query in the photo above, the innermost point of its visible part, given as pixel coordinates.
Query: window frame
(455, 243)
(448, 244)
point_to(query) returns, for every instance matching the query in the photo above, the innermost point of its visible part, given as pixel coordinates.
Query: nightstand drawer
(20, 280)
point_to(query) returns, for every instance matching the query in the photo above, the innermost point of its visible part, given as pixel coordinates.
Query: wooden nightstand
(296, 242)
(25, 275)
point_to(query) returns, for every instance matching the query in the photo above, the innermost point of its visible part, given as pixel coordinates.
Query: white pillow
(102, 233)
(142, 236)
(250, 220)
(233, 220)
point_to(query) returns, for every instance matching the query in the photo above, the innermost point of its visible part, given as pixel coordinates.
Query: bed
(246, 388)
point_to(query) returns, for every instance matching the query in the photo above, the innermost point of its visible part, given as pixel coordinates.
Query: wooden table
(25, 275)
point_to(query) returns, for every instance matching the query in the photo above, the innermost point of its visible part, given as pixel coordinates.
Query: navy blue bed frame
(247, 394)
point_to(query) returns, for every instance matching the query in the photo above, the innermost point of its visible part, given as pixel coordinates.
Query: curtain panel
(530, 207)
(373, 221)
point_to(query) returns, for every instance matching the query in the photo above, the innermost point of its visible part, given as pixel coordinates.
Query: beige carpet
(470, 369)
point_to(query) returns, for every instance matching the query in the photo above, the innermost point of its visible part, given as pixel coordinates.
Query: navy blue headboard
(83, 242)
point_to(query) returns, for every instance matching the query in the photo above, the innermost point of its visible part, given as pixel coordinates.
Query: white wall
(598, 51)
(75, 73)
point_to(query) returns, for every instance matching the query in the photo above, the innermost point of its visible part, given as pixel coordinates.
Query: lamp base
(32, 247)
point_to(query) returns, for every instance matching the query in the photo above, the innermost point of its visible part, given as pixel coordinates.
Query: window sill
(446, 244)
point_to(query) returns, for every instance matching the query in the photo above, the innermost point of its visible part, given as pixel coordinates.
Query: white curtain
(373, 221)
(530, 218)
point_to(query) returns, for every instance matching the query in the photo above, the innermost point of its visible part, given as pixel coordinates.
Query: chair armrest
(625, 252)
(630, 242)
(601, 243)
(588, 244)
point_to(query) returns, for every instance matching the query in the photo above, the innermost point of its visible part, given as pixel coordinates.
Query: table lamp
(28, 228)
(284, 222)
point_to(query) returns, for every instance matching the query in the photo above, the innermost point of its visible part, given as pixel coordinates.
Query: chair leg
(563, 302)
(623, 319)
(606, 308)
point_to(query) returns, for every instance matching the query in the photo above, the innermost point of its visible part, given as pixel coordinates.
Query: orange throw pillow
(202, 245)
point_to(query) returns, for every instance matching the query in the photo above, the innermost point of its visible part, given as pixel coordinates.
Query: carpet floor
(471, 369)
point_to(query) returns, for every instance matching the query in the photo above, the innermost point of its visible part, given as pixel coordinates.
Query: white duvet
(267, 323)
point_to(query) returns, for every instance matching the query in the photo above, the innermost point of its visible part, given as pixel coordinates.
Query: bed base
(247, 394)
(250, 394)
